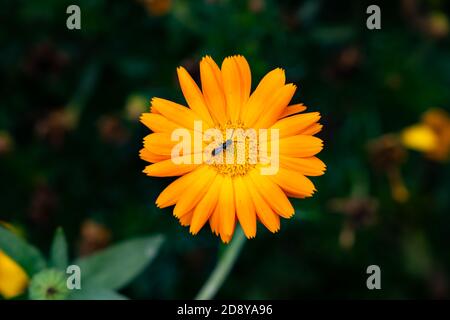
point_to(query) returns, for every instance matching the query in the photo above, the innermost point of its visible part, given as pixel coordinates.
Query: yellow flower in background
(437, 25)
(419, 137)
(135, 106)
(13, 279)
(226, 193)
(431, 136)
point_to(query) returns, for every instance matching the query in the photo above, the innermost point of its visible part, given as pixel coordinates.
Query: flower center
(236, 155)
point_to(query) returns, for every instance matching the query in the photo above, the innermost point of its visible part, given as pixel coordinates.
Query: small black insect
(224, 146)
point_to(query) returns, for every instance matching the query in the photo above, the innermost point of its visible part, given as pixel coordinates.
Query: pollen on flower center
(234, 156)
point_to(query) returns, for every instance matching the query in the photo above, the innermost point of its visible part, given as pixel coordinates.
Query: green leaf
(27, 256)
(95, 294)
(116, 266)
(58, 253)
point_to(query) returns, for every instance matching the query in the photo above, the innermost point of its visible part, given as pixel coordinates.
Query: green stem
(84, 90)
(223, 267)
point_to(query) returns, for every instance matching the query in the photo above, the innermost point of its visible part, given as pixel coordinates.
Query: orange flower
(245, 188)
(157, 7)
(431, 136)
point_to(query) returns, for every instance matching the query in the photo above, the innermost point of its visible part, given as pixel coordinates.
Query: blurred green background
(70, 135)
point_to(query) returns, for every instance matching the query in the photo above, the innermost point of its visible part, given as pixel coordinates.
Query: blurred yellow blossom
(135, 106)
(437, 25)
(431, 136)
(419, 137)
(13, 279)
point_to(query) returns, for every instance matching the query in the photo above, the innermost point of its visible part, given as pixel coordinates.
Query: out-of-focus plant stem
(223, 267)
(84, 90)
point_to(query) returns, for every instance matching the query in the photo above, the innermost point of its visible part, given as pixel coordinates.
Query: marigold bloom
(13, 279)
(226, 193)
(431, 136)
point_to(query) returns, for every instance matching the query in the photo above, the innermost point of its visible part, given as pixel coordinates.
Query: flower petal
(293, 183)
(293, 109)
(275, 106)
(312, 129)
(176, 113)
(169, 168)
(227, 238)
(194, 193)
(311, 166)
(159, 143)
(232, 85)
(158, 123)
(206, 206)
(246, 80)
(294, 125)
(226, 208)
(245, 210)
(214, 220)
(273, 194)
(255, 105)
(212, 88)
(193, 95)
(300, 146)
(172, 193)
(150, 156)
(186, 219)
(264, 212)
